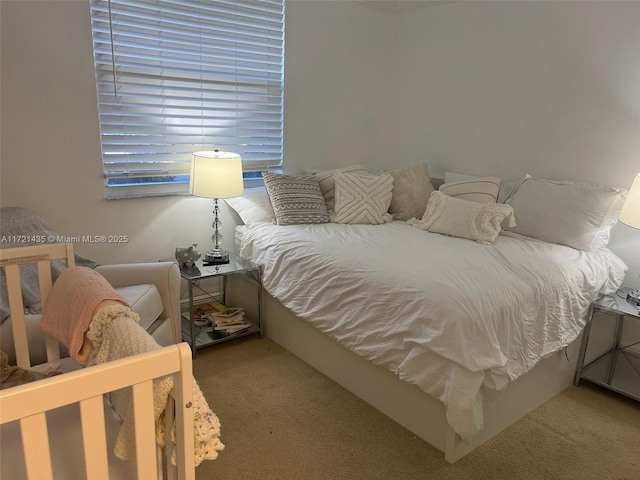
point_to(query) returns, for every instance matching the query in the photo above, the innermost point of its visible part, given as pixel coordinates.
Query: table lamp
(216, 175)
(630, 215)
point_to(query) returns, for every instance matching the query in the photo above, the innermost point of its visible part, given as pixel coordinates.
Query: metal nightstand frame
(197, 336)
(619, 368)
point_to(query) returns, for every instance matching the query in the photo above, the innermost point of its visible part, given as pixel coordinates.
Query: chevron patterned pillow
(296, 199)
(326, 178)
(362, 198)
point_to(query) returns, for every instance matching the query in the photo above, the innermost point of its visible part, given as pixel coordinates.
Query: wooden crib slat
(16, 307)
(169, 422)
(94, 438)
(183, 392)
(160, 462)
(35, 441)
(71, 259)
(144, 430)
(44, 279)
(45, 284)
(53, 348)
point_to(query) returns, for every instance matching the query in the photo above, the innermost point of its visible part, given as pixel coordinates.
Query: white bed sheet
(456, 318)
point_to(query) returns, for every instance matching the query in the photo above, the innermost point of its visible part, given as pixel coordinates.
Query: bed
(453, 333)
(62, 421)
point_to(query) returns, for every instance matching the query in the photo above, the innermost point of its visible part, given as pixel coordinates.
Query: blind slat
(177, 76)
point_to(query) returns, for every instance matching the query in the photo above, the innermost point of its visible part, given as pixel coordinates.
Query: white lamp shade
(630, 213)
(216, 175)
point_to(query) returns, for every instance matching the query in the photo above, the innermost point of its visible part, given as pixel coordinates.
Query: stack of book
(225, 321)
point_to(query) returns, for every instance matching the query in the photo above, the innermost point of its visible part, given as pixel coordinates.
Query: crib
(63, 426)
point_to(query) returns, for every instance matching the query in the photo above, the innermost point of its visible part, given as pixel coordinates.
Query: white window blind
(174, 77)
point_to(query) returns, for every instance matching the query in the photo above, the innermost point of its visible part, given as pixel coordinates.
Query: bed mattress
(456, 318)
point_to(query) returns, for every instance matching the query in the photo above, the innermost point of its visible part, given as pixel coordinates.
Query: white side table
(619, 368)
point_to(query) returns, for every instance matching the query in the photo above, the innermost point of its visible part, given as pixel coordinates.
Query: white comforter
(457, 318)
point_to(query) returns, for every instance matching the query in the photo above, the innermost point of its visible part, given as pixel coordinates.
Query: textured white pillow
(295, 199)
(411, 190)
(327, 182)
(579, 215)
(456, 217)
(362, 198)
(480, 189)
(253, 206)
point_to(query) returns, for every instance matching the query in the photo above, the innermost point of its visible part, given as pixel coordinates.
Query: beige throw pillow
(411, 190)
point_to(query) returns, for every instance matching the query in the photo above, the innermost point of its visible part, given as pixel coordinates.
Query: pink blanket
(71, 304)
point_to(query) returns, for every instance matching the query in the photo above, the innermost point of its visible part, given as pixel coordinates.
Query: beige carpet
(281, 419)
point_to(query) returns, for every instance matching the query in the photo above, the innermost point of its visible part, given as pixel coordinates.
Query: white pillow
(327, 182)
(362, 198)
(479, 189)
(253, 206)
(456, 217)
(505, 187)
(579, 215)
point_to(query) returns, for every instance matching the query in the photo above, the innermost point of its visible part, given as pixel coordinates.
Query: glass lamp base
(216, 258)
(633, 297)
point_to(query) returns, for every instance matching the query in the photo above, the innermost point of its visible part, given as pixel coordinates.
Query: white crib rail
(28, 403)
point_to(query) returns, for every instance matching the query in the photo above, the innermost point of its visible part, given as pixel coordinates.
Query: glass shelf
(204, 335)
(616, 370)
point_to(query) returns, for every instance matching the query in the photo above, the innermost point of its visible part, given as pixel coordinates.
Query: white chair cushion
(145, 300)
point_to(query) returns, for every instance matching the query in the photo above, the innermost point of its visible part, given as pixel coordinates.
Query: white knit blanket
(115, 334)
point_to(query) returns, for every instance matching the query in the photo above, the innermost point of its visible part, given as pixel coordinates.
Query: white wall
(506, 88)
(549, 88)
(339, 85)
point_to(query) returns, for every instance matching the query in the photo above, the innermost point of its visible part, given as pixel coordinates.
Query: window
(178, 76)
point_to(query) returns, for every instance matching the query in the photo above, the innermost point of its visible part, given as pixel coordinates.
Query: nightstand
(199, 336)
(619, 368)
